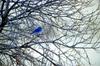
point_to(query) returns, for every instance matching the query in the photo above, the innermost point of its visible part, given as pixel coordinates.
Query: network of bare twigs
(68, 30)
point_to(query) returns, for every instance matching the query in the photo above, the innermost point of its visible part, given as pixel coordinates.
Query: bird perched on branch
(37, 30)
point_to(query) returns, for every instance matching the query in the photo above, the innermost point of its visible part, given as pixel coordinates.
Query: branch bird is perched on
(37, 30)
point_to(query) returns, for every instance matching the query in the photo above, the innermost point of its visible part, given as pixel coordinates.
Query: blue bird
(37, 30)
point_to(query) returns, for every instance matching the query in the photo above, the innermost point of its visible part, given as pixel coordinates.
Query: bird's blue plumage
(37, 30)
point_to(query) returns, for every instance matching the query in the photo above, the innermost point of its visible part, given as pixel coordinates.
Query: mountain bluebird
(37, 30)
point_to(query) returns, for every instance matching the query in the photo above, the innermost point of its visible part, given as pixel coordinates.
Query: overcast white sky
(94, 55)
